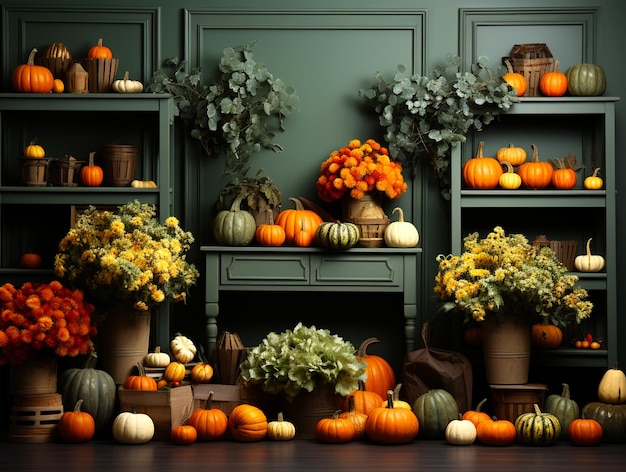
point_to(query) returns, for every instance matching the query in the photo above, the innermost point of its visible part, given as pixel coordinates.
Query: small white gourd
(183, 349)
(130, 427)
(157, 358)
(460, 432)
(589, 262)
(127, 85)
(401, 233)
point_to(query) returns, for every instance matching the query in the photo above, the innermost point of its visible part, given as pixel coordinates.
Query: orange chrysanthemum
(360, 168)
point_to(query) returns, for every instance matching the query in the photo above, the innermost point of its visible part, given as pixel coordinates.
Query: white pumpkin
(401, 233)
(183, 349)
(157, 358)
(589, 262)
(126, 85)
(130, 427)
(460, 432)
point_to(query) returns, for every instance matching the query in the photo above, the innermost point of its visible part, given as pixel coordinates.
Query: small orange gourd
(554, 83)
(594, 181)
(476, 416)
(247, 423)
(390, 425)
(564, 176)
(91, 174)
(496, 432)
(546, 336)
(184, 434)
(202, 373)
(357, 418)
(58, 86)
(174, 372)
(99, 51)
(534, 173)
(510, 180)
(481, 172)
(270, 234)
(34, 150)
(515, 156)
(515, 80)
(140, 381)
(334, 430)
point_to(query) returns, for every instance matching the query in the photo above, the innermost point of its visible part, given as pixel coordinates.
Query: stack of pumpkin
(302, 227)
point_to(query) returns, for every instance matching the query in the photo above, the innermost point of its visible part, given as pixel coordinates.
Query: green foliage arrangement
(424, 116)
(505, 274)
(235, 116)
(303, 358)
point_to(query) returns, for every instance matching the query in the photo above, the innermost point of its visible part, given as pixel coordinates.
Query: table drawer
(358, 270)
(258, 269)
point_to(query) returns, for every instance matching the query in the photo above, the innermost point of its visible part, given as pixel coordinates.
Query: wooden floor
(422, 455)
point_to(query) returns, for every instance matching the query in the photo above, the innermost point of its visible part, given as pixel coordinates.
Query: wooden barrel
(34, 417)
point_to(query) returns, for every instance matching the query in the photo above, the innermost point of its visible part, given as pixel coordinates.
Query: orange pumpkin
(585, 432)
(270, 234)
(210, 423)
(356, 417)
(140, 381)
(184, 434)
(174, 372)
(564, 177)
(364, 401)
(535, 174)
(247, 423)
(58, 86)
(30, 78)
(99, 51)
(334, 430)
(296, 220)
(476, 416)
(553, 84)
(496, 432)
(515, 80)
(390, 425)
(202, 373)
(481, 172)
(513, 155)
(76, 426)
(380, 374)
(546, 336)
(30, 260)
(91, 174)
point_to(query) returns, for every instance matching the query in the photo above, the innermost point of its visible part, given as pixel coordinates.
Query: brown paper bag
(430, 368)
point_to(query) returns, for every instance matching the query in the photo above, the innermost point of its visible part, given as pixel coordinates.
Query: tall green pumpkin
(586, 80)
(95, 387)
(564, 408)
(234, 227)
(434, 410)
(611, 417)
(537, 428)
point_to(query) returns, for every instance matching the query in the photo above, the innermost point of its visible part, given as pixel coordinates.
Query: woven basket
(101, 73)
(120, 161)
(372, 231)
(532, 61)
(64, 172)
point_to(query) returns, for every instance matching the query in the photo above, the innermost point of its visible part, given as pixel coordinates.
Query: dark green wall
(327, 50)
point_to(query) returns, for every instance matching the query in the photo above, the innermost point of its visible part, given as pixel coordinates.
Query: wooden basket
(35, 171)
(101, 73)
(120, 161)
(34, 418)
(532, 61)
(372, 231)
(64, 172)
(565, 250)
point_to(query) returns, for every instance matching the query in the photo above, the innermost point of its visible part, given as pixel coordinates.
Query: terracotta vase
(35, 376)
(124, 338)
(506, 349)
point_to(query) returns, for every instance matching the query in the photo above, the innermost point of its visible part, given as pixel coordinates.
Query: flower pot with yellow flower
(128, 263)
(503, 280)
(360, 175)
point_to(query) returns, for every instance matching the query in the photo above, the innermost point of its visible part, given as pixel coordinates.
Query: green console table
(291, 269)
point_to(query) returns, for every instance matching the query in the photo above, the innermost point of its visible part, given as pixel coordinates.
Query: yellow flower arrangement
(127, 256)
(505, 274)
(43, 317)
(360, 168)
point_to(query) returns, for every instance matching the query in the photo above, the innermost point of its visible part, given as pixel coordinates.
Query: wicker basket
(101, 73)
(120, 161)
(64, 172)
(35, 171)
(532, 61)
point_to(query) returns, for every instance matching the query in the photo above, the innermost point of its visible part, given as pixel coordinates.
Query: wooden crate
(167, 408)
(227, 397)
(34, 417)
(510, 401)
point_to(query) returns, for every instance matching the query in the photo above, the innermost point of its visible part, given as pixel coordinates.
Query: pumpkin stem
(99, 42)
(479, 152)
(535, 157)
(141, 369)
(92, 156)
(297, 203)
(537, 410)
(389, 398)
(595, 172)
(209, 400)
(351, 404)
(481, 404)
(78, 405)
(279, 417)
(362, 351)
(125, 76)
(336, 414)
(509, 167)
(400, 214)
(589, 248)
(396, 392)
(90, 363)
(565, 393)
(31, 57)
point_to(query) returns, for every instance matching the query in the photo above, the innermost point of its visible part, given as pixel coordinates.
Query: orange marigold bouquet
(43, 317)
(360, 168)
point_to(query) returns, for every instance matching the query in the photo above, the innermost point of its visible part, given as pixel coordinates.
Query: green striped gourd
(338, 235)
(537, 428)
